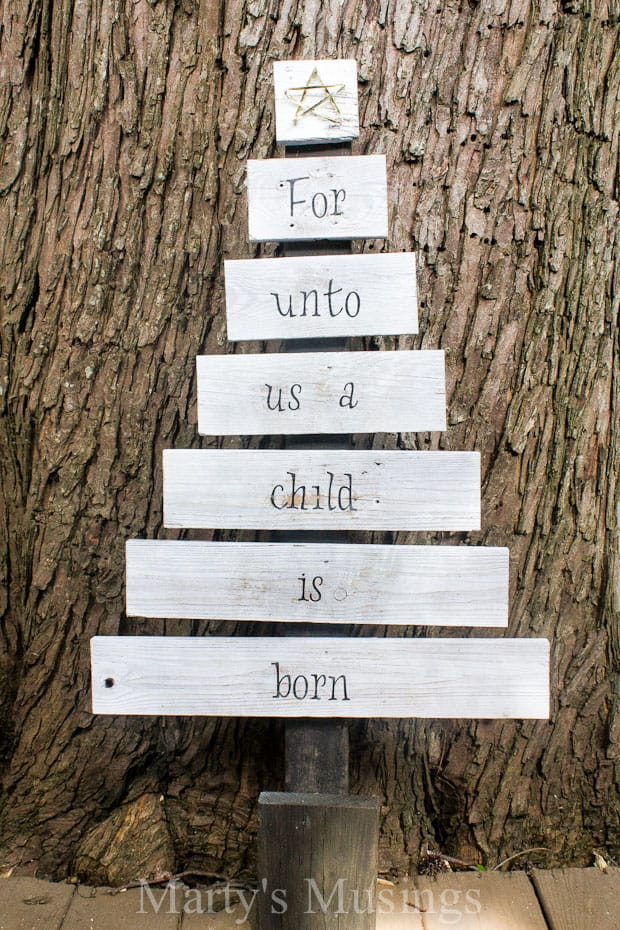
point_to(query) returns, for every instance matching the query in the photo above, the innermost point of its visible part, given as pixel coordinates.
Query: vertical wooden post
(317, 847)
(317, 752)
(318, 859)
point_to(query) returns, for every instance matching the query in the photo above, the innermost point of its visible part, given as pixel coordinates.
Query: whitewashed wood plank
(315, 101)
(320, 677)
(318, 583)
(321, 392)
(326, 295)
(333, 197)
(319, 489)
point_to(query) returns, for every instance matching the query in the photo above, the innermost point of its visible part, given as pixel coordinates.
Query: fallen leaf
(37, 899)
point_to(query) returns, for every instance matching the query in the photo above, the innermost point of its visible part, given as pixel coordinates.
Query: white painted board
(315, 101)
(320, 677)
(321, 392)
(320, 489)
(332, 197)
(318, 582)
(311, 297)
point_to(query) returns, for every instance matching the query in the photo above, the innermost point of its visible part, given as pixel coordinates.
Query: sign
(321, 392)
(317, 198)
(321, 489)
(327, 295)
(315, 101)
(318, 582)
(320, 677)
(309, 490)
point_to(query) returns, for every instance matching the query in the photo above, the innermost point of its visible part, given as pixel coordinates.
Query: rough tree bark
(125, 128)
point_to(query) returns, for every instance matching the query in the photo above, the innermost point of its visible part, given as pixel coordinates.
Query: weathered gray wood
(472, 901)
(317, 198)
(320, 677)
(315, 855)
(262, 489)
(575, 899)
(356, 295)
(321, 392)
(316, 755)
(317, 583)
(315, 101)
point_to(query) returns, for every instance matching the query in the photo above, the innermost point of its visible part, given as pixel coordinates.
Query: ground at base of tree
(560, 899)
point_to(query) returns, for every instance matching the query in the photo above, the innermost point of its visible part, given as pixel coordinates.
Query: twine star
(325, 107)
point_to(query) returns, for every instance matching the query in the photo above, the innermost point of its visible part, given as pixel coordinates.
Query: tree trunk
(125, 129)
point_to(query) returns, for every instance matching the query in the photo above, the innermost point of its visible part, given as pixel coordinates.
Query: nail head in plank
(31, 904)
(332, 197)
(574, 899)
(320, 392)
(317, 583)
(352, 490)
(356, 295)
(320, 677)
(315, 101)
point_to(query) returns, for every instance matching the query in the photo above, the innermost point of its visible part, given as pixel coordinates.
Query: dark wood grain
(316, 847)
(317, 752)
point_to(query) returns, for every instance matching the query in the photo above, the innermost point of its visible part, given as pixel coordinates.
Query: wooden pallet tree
(317, 204)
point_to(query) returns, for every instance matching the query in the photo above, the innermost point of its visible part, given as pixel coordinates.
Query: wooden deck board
(479, 901)
(396, 906)
(232, 919)
(97, 909)
(31, 904)
(576, 899)
(568, 899)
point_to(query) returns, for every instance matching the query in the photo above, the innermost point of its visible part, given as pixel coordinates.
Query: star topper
(318, 98)
(315, 101)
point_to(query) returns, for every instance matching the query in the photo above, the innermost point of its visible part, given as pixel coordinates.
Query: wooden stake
(318, 857)
(325, 837)
(317, 752)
